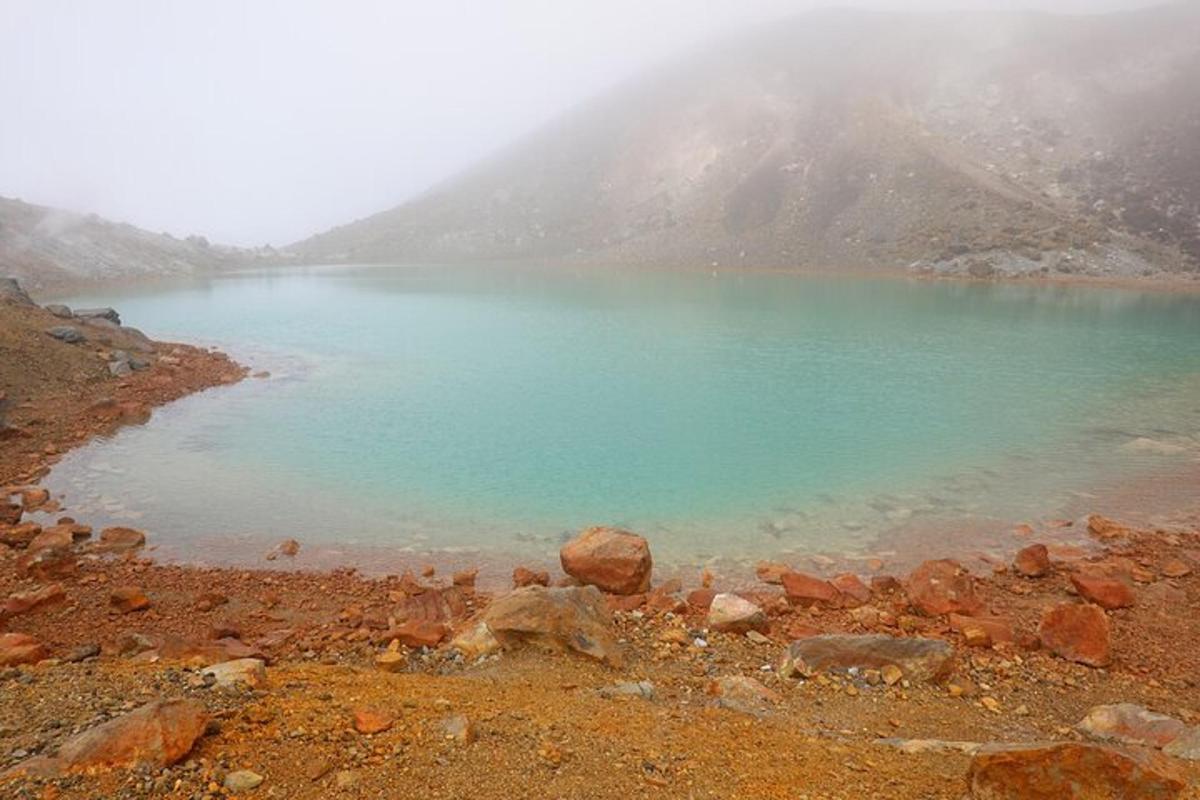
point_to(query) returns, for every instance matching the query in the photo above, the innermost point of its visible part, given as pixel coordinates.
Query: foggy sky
(268, 121)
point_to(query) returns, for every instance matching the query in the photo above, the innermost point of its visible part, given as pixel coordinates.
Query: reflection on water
(750, 415)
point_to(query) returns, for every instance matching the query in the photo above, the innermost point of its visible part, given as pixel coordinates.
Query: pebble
(243, 780)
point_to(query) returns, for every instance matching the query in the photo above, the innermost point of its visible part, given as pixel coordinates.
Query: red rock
(1102, 590)
(200, 652)
(624, 602)
(47, 564)
(433, 605)
(419, 633)
(465, 578)
(156, 735)
(34, 497)
(1077, 632)
(25, 602)
(1105, 528)
(19, 648)
(983, 631)
(885, 584)
(701, 599)
(1175, 568)
(127, 599)
(942, 587)
(771, 571)
(853, 591)
(121, 540)
(19, 535)
(805, 590)
(1032, 561)
(57, 537)
(800, 630)
(1070, 771)
(523, 576)
(665, 598)
(613, 560)
(369, 721)
(10, 513)
(210, 600)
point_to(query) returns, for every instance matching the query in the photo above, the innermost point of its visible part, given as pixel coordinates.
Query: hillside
(960, 142)
(44, 247)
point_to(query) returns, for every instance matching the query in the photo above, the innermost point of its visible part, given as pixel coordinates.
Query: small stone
(369, 721)
(458, 728)
(242, 780)
(128, 599)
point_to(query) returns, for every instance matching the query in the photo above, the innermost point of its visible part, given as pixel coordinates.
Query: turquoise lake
(431, 410)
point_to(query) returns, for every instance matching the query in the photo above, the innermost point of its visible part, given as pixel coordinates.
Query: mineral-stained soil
(343, 655)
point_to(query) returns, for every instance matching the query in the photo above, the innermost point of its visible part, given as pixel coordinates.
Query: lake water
(428, 410)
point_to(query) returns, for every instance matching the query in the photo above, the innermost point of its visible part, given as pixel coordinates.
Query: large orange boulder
(610, 559)
(942, 587)
(1103, 590)
(156, 735)
(571, 618)
(1077, 632)
(805, 590)
(1070, 771)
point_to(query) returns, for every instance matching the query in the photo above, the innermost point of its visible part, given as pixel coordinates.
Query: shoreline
(370, 686)
(1164, 283)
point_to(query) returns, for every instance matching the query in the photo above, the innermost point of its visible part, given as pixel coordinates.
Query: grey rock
(65, 333)
(98, 313)
(642, 689)
(243, 780)
(1131, 724)
(1187, 746)
(83, 653)
(918, 658)
(119, 369)
(61, 311)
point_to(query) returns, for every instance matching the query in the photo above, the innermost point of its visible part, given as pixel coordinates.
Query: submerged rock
(1070, 771)
(613, 560)
(917, 658)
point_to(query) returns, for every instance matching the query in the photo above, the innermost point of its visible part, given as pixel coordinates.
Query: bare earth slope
(44, 247)
(969, 142)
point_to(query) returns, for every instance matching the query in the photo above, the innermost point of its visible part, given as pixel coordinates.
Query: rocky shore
(1067, 673)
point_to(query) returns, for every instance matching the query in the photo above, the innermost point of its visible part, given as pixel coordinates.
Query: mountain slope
(851, 138)
(44, 247)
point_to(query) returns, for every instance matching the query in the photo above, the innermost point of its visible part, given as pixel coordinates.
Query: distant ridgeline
(971, 142)
(44, 247)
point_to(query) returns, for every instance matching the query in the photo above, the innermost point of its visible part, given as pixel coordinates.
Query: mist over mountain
(43, 247)
(963, 142)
